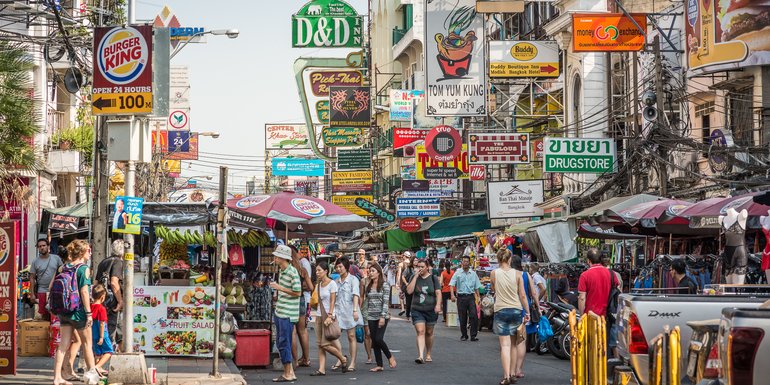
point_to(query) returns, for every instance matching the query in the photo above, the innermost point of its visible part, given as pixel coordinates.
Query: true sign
(418, 207)
(122, 70)
(375, 210)
(499, 148)
(327, 24)
(443, 143)
(589, 156)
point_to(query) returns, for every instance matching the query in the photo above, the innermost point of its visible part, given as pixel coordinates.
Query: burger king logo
(251, 201)
(122, 55)
(5, 246)
(308, 207)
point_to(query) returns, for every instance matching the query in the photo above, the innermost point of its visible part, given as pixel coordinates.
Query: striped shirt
(377, 303)
(287, 305)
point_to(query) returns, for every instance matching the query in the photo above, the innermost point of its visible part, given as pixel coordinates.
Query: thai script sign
(327, 24)
(128, 215)
(455, 60)
(591, 156)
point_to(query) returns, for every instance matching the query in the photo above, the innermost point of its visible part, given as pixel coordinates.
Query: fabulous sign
(327, 24)
(455, 60)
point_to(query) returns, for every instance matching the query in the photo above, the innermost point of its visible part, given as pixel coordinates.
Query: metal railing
(588, 349)
(665, 354)
(398, 34)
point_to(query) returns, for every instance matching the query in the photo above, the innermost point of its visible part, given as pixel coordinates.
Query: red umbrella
(705, 214)
(299, 212)
(647, 214)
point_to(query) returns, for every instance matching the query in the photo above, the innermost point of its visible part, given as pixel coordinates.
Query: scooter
(559, 344)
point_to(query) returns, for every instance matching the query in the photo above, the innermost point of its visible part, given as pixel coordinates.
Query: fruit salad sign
(174, 321)
(455, 59)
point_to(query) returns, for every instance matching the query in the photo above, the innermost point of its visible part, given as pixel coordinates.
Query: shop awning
(524, 226)
(452, 238)
(80, 210)
(613, 204)
(399, 240)
(596, 232)
(459, 225)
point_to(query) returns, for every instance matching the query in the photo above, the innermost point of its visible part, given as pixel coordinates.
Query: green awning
(80, 210)
(400, 240)
(459, 225)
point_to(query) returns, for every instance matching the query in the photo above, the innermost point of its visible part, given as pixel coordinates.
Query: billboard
(349, 107)
(418, 207)
(523, 59)
(297, 167)
(433, 188)
(428, 168)
(351, 181)
(316, 83)
(354, 159)
(514, 199)
(285, 136)
(727, 32)
(455, 71)
(348, 202)
(499, 148)
(327, 24)
(608, 32)
(9, 255)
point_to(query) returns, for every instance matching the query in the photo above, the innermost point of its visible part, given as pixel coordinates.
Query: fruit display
(234, 294)
(175, 342)
(250, 238)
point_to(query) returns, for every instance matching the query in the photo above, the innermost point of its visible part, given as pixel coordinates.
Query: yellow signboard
(172, 166)
(123, 103)
(348, 202)
(427, 168)
(351, 181)
(523, 59)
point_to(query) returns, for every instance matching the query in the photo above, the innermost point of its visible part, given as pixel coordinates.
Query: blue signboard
(128, 215)
(178, 141)
(418, 207)
(298, 167)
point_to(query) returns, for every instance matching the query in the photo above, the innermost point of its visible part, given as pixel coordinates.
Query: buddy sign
(122, 70)
(327, 24)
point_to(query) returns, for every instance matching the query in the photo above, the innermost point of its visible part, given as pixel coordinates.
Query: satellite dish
(73, 80)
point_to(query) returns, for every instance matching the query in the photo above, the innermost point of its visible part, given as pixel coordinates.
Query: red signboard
(499, 148)
(538, 147)
(410, 225)
(9, 243)
(477, 172)
(443, 143)
(406, 136)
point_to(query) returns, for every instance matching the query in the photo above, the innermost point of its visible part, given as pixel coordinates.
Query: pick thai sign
(589, 156)
(327, 24)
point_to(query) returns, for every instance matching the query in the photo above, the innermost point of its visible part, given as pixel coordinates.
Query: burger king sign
(122, 70)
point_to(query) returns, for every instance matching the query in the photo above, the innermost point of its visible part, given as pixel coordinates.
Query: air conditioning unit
(683, 169)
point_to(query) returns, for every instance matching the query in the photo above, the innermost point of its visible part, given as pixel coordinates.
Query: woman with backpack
(534, 314)
(70, 300)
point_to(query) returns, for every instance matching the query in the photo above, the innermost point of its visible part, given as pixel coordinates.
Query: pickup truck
(642, 316)
(744, 346)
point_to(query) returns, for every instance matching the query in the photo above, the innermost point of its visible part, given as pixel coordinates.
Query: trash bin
(252, 347)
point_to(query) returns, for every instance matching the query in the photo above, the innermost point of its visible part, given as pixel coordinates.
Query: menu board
(174, 321)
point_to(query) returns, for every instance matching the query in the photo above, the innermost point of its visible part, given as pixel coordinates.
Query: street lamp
(213, 134)
(231, 33)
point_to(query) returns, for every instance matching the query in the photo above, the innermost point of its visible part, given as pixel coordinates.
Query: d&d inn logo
(122, 55)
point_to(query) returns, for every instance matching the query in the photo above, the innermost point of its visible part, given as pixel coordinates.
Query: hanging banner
(589, 156)
(351, 181)
(174, 321)
(418, 207)
(122, 63)
(523, 59)
(286, 136)
(327, 24)
(297, 167)
(9, 248)
(349, 107)
(428, 168)
(499, 148)
(455, 62)
(127, 218)
(354, 159)
(374, 210)
(348, 202)
(514, 199)
(608, 32)
(727, 32)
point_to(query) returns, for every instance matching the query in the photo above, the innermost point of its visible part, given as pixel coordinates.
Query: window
(407, 21)
(741, 120)
(577, 118)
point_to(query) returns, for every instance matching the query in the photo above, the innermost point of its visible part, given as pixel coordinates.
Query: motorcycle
(559, 344)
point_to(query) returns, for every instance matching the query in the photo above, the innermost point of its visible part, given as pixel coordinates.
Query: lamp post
(231, 33)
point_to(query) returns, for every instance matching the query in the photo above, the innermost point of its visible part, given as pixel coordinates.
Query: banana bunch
(172, 251)
(251, 238)
(179, 238)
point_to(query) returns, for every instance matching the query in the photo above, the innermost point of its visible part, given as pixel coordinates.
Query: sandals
(336, 367)
(419, 361)
(392, 362)
(505, 381)
(317, 373)
(428, 359)
(513, 379)
(376, 369)
(369, 361)
(303, 363)
(284, 379)
(344, 365)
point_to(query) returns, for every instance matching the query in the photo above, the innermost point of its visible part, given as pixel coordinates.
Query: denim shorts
(507, 321)
(426, 317)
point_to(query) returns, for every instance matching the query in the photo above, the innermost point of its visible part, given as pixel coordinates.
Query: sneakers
(464, 338)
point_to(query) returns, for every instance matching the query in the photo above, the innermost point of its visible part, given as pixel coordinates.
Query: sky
(238, 85)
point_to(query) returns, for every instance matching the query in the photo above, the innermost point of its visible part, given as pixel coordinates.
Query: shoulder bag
(612, 301)
(332, 331)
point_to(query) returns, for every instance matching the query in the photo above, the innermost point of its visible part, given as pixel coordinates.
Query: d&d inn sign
(327, 24)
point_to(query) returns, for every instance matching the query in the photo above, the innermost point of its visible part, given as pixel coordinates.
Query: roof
(459, 225)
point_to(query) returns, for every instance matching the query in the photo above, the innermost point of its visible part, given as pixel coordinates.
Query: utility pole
(128, 258)
(635, 188)
(659, 95)
(221, 253)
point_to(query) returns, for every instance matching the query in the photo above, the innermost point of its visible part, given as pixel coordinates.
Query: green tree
(18, 122)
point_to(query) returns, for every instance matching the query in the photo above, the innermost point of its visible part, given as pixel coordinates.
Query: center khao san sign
(327, 24)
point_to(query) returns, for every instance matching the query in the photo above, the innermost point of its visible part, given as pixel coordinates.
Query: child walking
(102, 343)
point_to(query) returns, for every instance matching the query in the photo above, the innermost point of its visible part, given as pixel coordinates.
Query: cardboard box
(33, 338)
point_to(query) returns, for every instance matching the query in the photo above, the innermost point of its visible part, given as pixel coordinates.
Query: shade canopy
(705, 214)
(602, 212)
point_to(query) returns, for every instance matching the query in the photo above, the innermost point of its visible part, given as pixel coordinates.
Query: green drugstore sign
(588, 156)
(327, 24)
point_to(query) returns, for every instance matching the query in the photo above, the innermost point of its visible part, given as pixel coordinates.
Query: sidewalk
(171, 371)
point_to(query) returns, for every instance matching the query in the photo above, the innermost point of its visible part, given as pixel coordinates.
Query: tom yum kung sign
(590, 156)
(327, 24)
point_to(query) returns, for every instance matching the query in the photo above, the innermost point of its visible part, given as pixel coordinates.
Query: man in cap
(289, 288)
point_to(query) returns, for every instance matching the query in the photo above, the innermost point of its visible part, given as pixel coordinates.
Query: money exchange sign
(122, 70)
(327, 24)
(590, 156)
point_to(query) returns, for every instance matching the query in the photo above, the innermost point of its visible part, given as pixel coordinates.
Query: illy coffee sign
(327, 24)
(443, 143)
(477, 172)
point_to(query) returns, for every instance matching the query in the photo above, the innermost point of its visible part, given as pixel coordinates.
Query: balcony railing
(54, 120)
(398, 34)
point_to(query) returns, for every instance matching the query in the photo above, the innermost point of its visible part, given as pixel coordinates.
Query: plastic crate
(252, 347)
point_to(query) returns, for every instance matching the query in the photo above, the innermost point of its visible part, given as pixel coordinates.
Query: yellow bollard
(589, 349)
(674, 356)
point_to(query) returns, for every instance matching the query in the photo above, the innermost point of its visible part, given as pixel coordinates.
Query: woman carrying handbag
(327, 329)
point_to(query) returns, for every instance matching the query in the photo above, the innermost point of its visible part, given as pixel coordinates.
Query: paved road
(455, 362)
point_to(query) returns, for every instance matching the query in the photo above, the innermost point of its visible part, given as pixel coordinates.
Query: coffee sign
(327, 24)
(443, 143)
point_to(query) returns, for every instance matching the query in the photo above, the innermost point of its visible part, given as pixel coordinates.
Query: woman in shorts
(511, 309)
